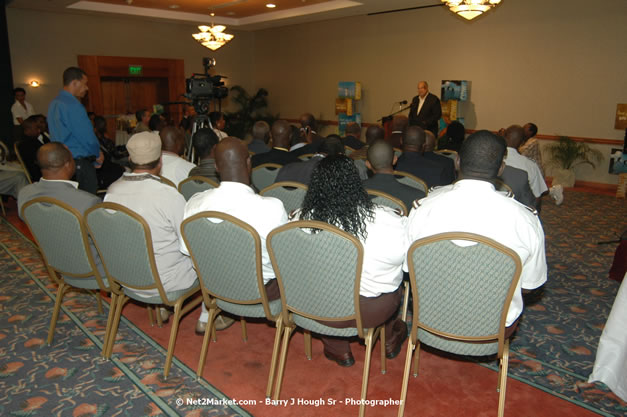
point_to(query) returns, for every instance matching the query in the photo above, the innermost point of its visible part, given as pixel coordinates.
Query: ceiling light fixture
(270, 5)
(34, 83)
(212, 37)
(469, 9)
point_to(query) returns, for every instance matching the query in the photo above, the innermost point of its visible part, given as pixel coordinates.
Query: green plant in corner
(251, 109)
(565, 155)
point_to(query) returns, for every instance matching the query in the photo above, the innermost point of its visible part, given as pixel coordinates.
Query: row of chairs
(461, 293)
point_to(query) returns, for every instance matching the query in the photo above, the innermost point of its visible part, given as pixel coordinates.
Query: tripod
(200, 121)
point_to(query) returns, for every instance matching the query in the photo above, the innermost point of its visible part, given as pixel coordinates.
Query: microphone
(402, 102)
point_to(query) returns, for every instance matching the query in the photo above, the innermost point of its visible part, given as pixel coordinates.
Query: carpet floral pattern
(69, 378)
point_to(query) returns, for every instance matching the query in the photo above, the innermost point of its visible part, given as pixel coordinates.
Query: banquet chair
(106, 223)
(499, 185)
(166, 181)
(411, 180)
(462, 286)
(319, 275)
(62, 239)
(388, 200)
(448, 153)
(196, 184)
(289, 192)
(263, 175)
(16, 148)
(227, 257)
(305, 156)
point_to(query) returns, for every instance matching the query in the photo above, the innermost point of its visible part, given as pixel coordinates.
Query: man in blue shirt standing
(69, 124)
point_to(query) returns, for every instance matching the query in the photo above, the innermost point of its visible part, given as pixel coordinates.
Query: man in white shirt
(174, 168)
(21, 109)
(235, 197)
(514, 136)
(160, 205)
(473, 205)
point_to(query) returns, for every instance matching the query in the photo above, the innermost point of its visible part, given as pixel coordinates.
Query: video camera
(202, 88)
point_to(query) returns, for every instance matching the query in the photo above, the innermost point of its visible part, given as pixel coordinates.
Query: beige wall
(43, 44)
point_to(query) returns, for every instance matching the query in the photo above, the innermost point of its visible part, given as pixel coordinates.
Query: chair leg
(99, 301)
(410, 352)
(122, 299)
(287, 332)
(275, 355)
(382, 343)
(151, 317)
(55, 312)
(4, 213)
(244, 332)
(112, 307)
(307, 340)
(503, 378)
(173, 331)
(364, 379)
(416, 358)
(205, 343)
(405, 300)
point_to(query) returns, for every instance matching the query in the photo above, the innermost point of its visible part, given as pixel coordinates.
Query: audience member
(530, 146)
(447, 163)
(109, 171)
(279, 154)
(218, 123)
(399, 124)
(156, 123)
(44, 136)
(261, 137)
(413, 162)
(381, 160)
(353, 136)
(336, 196)
(160, 205)
(28, 147)
(143, 118)
(236, 197)
(373, 133)
(174, 167)
(514, 137)
(11, 182)
(204, 142)
(301, 171)
(472, 205)
(21, 109)
(70, 125)
(452, 140)
(518, 181)
(309, 135)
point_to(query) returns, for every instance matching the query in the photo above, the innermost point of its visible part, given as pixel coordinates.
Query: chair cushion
(172, 295)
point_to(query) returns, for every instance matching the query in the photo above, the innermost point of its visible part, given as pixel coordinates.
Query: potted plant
(565, 155)
(251, 109)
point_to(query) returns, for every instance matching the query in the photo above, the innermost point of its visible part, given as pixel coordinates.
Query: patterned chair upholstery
(227, 256)
(192, 185)
(411, 180)
(319, 276)
(118, 232)
(64, 245)
(385, 199)
(264, 175)
(290, 193)
(462, 285)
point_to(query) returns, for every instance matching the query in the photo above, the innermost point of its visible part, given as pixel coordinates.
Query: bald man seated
(174, 167)
(236, 197)
(413, 162)
(381, 160)
(280, 152)
(447, 163)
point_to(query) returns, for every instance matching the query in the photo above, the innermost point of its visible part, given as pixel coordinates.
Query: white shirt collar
(236, 186)
(72, 183)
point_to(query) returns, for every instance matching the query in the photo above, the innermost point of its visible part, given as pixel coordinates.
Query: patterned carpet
(69, 378)
(554, 348)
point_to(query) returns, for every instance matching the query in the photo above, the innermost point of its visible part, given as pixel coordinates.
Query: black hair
(71, 74)
(481, 155)
(203, 141)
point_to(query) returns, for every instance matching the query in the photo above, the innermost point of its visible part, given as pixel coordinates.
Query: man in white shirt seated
(160, 205)
(473, 205)
(235, 197)
(514, 136)
(174, 168)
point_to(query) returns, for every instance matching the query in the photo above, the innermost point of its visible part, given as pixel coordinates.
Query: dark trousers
(374, 312)
(86, 175)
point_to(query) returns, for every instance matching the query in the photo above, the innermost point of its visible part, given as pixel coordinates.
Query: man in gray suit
(57, 167)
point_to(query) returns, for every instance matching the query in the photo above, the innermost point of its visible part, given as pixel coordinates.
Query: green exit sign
(135, 70)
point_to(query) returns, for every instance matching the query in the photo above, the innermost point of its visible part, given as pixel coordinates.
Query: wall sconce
(34, 83)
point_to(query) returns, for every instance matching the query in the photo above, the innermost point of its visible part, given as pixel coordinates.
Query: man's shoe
(222, 322)
(165, 314)
(346, 360)
(200, 327)
(557, 192)
(394, 344)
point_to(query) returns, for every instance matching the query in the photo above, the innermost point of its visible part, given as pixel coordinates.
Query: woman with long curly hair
(337, 196)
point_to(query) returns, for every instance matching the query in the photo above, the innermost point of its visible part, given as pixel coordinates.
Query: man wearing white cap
(160, 205)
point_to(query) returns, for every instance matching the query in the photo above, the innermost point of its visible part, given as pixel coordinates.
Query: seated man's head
(281, 131)
(173, 140)
(261, 131)
(204, 142)
(233, 160)
(353, 129)
(374, 132)
(55, 161)
(100, 125)
(41, 122)
(156, 123)
(481, 156)
(144, 152)
(530, 130)
(217, 120)
(414, 139)
(143, 116)
(514, 136)
(381, 157)
(307, 120)
(30, 127)
(399, 122)
(331, 145)
(429, 141)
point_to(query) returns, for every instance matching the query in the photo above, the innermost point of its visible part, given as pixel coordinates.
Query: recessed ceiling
(243, 14)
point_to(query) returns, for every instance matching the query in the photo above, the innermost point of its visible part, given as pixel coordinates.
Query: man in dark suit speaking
(425, 110)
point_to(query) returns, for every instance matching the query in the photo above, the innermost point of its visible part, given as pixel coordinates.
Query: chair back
(62, 238)
(462, 284)
(16, 148)
(318, 268)
(119, 232)
(196, 184)
(290, 193)
(385, 199)
(499, 185)
(411, 180)
(348, 150)
(448, 153)
(166, 181)
(227, 257)
(264, 175)
(305, 156)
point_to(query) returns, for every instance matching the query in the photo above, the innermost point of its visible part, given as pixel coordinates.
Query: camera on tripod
(202, 88)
